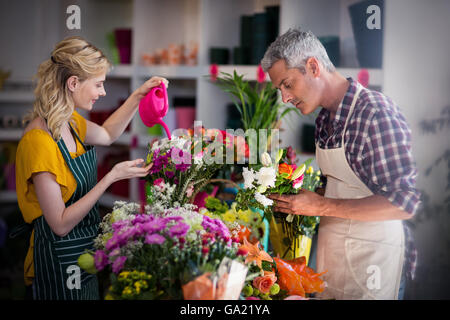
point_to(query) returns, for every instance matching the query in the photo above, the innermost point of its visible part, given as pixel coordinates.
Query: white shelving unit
(210, 23)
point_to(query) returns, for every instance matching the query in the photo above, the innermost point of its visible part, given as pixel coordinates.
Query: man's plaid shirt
(377, 145)
(378, 149)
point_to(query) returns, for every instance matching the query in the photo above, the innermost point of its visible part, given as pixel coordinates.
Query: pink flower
(263, 284)
(118, 264)
(363, 77)
(297, 183)
(214, 71)
(190, 191)
(294, 297)
(252, 298)
(260, 74)
(154, 239)
(100, 260)
(158, 182)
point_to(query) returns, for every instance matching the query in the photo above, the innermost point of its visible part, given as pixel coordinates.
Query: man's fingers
(282, 209)
(280, 198)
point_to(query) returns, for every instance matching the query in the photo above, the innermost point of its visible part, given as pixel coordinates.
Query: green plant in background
(258, 104)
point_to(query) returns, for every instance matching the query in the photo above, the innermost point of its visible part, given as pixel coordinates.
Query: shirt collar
(343, 108)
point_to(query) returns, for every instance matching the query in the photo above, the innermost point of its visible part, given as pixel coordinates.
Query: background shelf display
(208, 23)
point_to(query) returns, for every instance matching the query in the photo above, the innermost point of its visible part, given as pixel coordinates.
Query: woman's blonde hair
(73, 56)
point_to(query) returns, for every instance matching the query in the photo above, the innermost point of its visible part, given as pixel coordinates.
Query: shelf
(16, 96)
(10, 134)
(123, 71)
(8, 196)
(108, 199)
(173, 72)
(375, 75)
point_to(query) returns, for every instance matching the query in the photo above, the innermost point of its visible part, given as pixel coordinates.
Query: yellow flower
(229, 216)
(123, 275)
(310, 170)
(244, 216)
(109, 297)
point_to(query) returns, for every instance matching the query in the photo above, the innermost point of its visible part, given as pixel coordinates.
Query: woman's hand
(129, 169)
(148, 85)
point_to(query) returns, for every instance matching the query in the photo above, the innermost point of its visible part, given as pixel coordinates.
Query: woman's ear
(72, 83)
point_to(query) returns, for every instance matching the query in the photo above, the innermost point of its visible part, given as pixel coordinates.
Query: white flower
(266, 177)
(290, 218)
(266, 160)
(198, 159)
(263, 199)
(249, 177)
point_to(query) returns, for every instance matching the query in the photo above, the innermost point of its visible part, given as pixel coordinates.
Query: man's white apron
(364, 259)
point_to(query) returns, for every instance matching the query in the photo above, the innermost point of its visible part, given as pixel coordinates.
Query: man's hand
(306, 203)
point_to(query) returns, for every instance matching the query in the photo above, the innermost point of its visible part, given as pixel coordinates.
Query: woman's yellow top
(38, 152)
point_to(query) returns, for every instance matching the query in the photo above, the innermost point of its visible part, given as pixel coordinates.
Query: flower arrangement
(282, 177)
(183, 165)
(151, 256)
(275, 278)
(247, 224)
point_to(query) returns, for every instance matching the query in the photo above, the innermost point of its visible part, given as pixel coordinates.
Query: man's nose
(285, 97)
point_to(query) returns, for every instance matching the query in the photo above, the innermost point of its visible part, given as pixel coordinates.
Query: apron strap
(21, 229)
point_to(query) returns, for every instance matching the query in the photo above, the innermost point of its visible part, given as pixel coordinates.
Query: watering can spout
(154, 106)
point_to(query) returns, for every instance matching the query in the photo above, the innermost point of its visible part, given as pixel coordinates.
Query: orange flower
(285, 168)
(297, 279)
(264, 283)
(254, 253)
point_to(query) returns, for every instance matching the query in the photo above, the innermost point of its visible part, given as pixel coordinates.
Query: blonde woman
(56, 169)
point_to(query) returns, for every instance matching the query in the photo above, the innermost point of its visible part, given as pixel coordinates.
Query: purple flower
(178, 230)
(100, 260)
(112, 243)
(154, 239)
(119, 225)
(118, 264)
(169, 174)
(175, 218)
(154, 226)
(114, 253)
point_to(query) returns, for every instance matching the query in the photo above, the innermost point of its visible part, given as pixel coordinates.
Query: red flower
(205, 250)
(363, 77)
(260, 74)
(214, 71)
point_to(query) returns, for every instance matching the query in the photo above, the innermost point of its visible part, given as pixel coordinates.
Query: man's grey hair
(295, 47)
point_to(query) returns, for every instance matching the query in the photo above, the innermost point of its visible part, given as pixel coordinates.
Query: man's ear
(313, 66)
(72, 83)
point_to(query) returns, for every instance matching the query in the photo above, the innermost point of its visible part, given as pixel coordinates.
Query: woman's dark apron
(57, 274)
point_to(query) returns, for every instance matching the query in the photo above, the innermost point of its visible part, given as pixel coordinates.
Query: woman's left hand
(148, 85)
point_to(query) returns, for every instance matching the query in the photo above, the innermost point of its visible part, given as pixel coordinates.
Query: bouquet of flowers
(183, 165)
(275, 278)
(152, 255)
(282, 177)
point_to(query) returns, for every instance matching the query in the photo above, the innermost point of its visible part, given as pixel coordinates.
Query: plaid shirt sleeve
(387, 158)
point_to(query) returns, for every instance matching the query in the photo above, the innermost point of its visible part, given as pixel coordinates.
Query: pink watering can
(153, 107)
